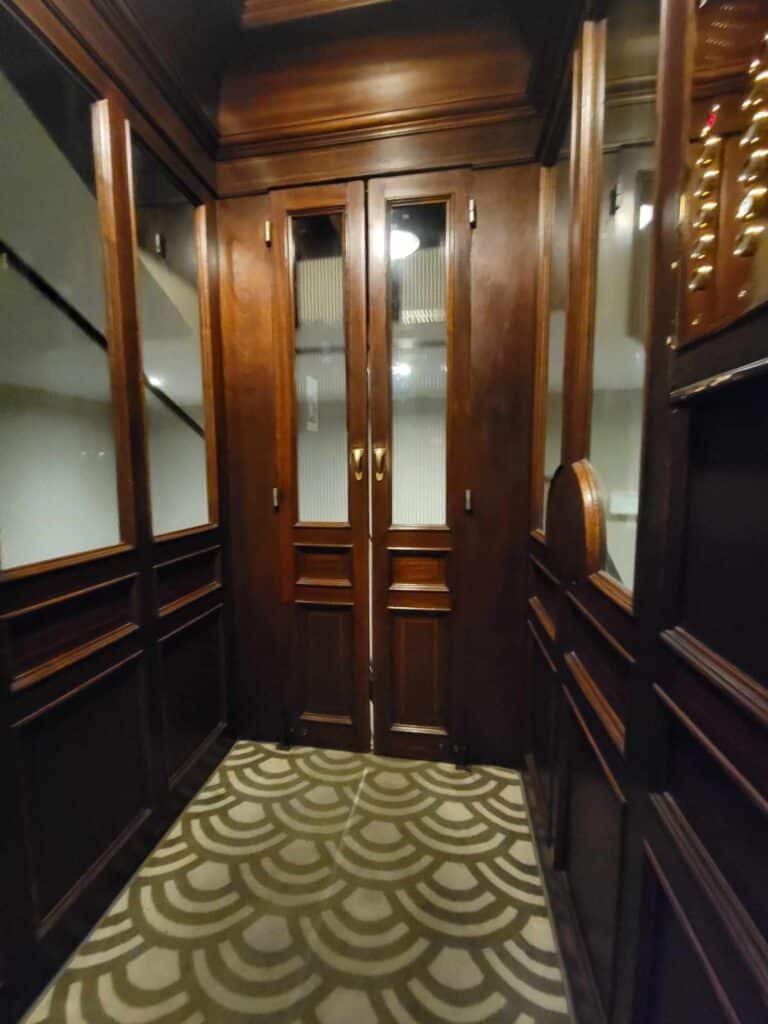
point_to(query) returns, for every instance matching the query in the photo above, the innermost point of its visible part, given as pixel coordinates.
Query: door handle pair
(379, 461)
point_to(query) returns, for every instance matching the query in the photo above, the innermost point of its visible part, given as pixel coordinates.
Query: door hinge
(472, 213)
(268, 232)
(467, 501)
(275, 498)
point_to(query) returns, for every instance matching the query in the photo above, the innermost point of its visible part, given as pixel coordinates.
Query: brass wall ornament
(705, 203)
(753, 208)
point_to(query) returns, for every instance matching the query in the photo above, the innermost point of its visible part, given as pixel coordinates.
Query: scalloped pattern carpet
(333, 888)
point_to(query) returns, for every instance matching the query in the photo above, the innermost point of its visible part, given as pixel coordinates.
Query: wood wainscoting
(114, 700)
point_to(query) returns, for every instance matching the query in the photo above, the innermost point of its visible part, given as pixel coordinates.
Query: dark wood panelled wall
(648, 706)
(113, 664)
(639, 715)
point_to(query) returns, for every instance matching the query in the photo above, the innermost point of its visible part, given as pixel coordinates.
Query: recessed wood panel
(735, 837)
(544, 585)
(191, 684)
(419, 570)
(84, 775)
(187, 576)
(41, 633)
(593, 855)
(318, 566)
(726, 540)
(420, 669)
(542, 704)
(681, 986)
(326, 661)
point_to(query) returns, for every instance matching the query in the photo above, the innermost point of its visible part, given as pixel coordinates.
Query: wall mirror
(58, 476)
(168, 288)
(624, 254)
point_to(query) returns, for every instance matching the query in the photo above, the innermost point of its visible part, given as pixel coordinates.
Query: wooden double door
(372, 330)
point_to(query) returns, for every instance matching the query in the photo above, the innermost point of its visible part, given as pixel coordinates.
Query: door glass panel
(58, 473)
(169, 307)
(623, 273)
(320, 368)
(418, 363)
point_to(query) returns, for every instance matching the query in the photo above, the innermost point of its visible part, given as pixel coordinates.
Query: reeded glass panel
(58, 480)
(320, 368)
(623, 275)
(558, 309)
(169, 310)
(418, 363)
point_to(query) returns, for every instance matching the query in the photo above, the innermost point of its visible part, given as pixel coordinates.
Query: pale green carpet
(332, 888)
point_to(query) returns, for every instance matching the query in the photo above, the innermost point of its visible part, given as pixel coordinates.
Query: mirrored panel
(418, 363)
(560, 184)
(58, 479)
(169, 314)
(320, 368)
(623, 272)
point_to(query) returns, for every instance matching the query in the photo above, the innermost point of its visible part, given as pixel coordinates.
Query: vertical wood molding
(245, 280)
(589, 93)
(661, 487)
(205, 235)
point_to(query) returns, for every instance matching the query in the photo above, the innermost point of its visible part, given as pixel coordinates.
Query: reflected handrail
(10, 257)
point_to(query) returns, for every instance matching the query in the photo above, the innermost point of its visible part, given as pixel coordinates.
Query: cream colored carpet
(332, 888)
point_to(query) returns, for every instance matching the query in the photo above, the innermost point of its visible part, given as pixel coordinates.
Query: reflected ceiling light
(645, 215)
(401, 370)
(402, 244)
(157, 382)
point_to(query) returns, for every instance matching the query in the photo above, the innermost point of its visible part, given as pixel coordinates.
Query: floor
(332, 888)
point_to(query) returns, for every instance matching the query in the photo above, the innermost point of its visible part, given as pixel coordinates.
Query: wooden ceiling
(277, 75)
(258, 13)
(729, 34)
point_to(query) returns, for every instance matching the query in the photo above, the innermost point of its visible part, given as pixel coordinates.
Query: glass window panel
(623, 273)
(58, 479)
(558, 309)
(49, 214)
(320, 368)
(169, 308)
(418, 363)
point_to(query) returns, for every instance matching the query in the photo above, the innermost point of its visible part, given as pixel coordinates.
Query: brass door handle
(357, 462)
(379, 458)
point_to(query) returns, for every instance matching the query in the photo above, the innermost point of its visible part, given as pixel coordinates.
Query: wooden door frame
(322, 729)
(451, 187)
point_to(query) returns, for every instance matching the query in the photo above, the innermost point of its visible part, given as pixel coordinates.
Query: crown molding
(258, 14)
(380, 125)
(159, 68)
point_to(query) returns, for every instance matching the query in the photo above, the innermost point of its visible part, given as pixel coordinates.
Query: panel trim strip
(726, 904)
(597, 700)
(66, 660)
(692, 937)
(728, 767)
(604, 633)
(730, 680)
(610, 777)
(543, 617)
(541, 645)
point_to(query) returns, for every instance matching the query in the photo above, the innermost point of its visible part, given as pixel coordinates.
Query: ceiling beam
(259, 13)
